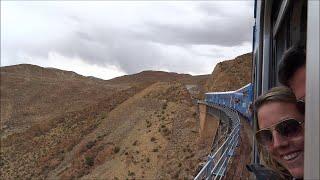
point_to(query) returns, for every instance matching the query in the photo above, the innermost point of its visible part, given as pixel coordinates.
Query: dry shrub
(116, 149)
(90, 144)
(165, 131)
(89, 160)
(104, 154)
(131, 173)
(135, 143)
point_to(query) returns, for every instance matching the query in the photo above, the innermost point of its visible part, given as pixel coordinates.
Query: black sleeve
(263, 173)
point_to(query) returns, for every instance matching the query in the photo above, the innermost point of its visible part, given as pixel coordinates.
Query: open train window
(288, 28)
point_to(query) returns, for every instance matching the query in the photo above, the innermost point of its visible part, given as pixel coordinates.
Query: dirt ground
(59, 125)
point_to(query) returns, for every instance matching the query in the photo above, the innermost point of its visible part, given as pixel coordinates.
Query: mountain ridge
(60, 125)
(230, 74)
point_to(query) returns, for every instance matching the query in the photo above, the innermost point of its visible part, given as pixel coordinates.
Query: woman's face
(288, 151)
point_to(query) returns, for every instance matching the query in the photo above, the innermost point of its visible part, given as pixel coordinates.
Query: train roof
(230, 92)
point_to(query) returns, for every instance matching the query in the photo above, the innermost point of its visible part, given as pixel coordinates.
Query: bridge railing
(216, 165)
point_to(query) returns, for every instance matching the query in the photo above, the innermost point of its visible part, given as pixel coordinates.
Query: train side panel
(239, 100)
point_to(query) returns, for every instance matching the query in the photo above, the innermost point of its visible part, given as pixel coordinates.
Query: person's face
(288, 151)
(298, 83)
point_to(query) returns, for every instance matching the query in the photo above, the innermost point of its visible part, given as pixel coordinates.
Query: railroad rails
(217, 163)
(227, 106)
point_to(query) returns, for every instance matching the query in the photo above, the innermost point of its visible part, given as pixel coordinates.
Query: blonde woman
(280, 132)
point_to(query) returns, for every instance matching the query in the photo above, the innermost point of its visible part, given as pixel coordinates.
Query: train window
(289, 27)
(279, 25)
(245, 93)
(275, 11)
(298, 25)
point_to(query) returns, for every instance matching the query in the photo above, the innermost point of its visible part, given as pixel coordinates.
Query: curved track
(217, 165)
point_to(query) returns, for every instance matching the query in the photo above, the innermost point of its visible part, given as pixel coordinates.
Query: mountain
(149, 77)
(160, 76)
(230, 74)
(60, 125)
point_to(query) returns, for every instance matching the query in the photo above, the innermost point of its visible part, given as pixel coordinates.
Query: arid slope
(58, 124)
(231, 74)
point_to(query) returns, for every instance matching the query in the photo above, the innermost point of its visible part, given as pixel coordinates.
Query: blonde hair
(276, 94)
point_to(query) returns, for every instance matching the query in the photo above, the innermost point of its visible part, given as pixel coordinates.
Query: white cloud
(75, 64)
(108, 38)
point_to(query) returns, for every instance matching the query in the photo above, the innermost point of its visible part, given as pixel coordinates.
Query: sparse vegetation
(165, 131)
(89, 160)
(72, 114)
(135, 143)
(116, 149)
(164, 106)
(101, 136)
(148, 123)
(131, 173)
(90, 144)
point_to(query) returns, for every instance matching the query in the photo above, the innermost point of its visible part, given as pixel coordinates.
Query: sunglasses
(287, 128)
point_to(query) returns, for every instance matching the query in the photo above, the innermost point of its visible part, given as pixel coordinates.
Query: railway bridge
(221, 126)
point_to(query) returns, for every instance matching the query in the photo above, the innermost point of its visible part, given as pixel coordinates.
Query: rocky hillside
(31, 94)
(157, 76)
(230, 74)
(196, 83)
(58, 124)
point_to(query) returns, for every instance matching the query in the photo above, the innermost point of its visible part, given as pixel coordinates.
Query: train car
(279, 24)
(244, 105)
(239, 100)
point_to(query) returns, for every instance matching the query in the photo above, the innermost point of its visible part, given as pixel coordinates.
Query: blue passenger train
(278, 25)
(239, 100)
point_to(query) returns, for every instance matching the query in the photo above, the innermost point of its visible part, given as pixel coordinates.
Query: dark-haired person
(292, 70)
(281, 132)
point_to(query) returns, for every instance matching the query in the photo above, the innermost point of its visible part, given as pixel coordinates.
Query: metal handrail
(227, 146)
(226, 160)
(206, 167)
(224, 156)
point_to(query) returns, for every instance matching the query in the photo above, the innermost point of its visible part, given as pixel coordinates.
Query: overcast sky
(106, 39)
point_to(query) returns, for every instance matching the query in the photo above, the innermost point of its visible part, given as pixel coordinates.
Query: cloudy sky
(106, 39)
